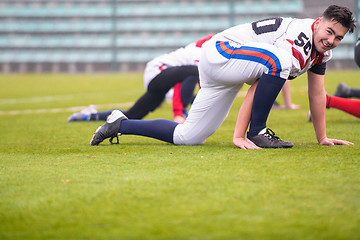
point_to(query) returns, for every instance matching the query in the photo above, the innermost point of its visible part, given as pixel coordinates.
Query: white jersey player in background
(176, 70)
(264, 53)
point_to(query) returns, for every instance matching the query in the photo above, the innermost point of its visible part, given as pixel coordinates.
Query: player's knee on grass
(186, 136)
(181, 140)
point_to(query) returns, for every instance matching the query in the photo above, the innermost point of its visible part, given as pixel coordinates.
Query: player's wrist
(322, 139)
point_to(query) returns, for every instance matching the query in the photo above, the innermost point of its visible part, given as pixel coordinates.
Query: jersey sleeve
(320, 65)
(319, 68)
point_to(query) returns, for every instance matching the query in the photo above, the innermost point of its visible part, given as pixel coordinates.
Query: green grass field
(54, 185)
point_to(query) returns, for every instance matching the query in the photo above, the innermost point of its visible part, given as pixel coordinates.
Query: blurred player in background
(340, 100)
(177, 70)
(357, 52)
(288, 104)
(266, 53)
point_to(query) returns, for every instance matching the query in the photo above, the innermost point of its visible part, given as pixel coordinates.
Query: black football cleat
(110, 129)
(267, 139)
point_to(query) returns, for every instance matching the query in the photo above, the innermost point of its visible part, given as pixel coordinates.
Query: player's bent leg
(158, 88)
(117, 124)
(342, 90)
(207, 113)
(351, 106)
(161, 129)
(266, 92)
(187, 90)
(148, 102)
(268, 88)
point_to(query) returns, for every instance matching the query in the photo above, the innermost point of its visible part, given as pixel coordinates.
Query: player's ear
(317, 22)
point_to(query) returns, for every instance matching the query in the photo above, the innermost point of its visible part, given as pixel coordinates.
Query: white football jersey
(188, 55)
(295, 36)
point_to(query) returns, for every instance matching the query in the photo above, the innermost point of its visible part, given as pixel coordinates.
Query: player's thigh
(209, 110)
(276, 61)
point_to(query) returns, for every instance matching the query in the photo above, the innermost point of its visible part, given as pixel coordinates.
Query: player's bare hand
(292, 106)
(179, 119)
(282, 107)
(243, 144)
(330, 142)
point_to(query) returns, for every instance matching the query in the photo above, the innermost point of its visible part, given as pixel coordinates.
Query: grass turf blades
(54, 185)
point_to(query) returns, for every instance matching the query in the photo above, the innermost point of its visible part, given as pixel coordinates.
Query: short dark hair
(342, 15)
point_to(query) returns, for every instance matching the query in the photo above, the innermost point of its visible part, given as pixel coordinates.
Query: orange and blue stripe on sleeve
(259, 55)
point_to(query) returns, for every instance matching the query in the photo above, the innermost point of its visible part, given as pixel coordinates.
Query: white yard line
(70, 109)
(35, 99)
(58, 110)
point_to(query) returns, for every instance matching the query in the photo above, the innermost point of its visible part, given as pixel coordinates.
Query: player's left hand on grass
(330, 142)
(283, 107)
(243, 144)
(292, 106)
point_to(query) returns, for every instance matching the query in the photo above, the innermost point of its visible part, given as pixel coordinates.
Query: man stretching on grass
(270, 51)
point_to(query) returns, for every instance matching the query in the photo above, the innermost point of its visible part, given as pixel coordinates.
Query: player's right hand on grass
(243, 144)
(330, 142)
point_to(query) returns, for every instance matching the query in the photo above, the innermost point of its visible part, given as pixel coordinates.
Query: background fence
(122, 35)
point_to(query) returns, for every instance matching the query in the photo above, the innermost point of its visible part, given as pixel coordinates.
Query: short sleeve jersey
(188, 55)
(295, 36)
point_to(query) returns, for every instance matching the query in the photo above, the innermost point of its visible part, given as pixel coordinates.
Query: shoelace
(270, 134)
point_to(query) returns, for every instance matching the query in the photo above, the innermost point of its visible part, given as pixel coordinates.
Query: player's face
(327, 34)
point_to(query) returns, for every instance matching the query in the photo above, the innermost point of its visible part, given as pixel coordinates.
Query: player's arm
(287, 96)
(243, 120)
(317, 103)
